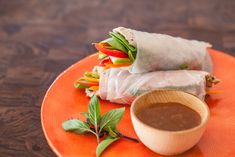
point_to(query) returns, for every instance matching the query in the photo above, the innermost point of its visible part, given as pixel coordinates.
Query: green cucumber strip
(132, 58)
(116, 44)
(80, 86)
(92, 76)
(102, 56)
(121, 39)
(122, 61)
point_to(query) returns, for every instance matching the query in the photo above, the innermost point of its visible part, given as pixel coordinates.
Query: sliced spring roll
(120, 86)
(146, 52)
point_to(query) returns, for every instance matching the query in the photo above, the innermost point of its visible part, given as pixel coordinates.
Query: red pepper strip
(114, 53)
(105, 61)
(86, 83)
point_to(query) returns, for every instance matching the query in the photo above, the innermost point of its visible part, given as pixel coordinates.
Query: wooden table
(39, 39)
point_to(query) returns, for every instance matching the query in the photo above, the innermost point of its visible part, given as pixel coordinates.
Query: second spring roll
(120, 86)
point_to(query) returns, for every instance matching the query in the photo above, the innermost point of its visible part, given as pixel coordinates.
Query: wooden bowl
(169, 142)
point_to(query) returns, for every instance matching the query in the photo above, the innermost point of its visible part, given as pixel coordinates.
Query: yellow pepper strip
(89, 79)
(94, 88)
(91, 74)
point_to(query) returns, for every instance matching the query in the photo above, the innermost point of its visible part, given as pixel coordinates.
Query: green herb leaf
(94, 111)
(104, 144)
(85, 114)
(116, 44)
(111, 132)
(76, 126)
(122, 40)
(111, 118)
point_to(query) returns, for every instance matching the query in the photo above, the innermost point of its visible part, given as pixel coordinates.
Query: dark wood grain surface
(41, 38)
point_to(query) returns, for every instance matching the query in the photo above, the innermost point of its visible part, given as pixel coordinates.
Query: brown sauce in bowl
(169, 116)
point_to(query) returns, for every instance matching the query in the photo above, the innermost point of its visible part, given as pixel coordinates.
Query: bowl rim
(202, 124)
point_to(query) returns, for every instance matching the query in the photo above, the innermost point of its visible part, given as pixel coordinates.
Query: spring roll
(118, 85)
(147, 52)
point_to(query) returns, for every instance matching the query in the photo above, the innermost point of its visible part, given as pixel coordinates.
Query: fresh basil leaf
(94, 111)
(85, 114)
(122, 40)
(116, 44)
(111, 118)
(111, 132)
(104, 144)
(76, 126)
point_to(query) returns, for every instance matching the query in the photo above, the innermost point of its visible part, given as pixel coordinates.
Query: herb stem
(98, 138)
(92, 132)
(97, 134)
(128, 138)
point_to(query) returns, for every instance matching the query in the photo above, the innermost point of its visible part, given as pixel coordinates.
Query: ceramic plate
(62, 101)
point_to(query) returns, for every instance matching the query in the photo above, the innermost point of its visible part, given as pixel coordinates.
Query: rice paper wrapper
(120, 86)
(164, 52)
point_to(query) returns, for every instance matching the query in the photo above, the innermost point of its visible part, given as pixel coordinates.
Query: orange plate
(62, 102)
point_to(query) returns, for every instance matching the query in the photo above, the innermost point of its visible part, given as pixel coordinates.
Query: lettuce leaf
(116, 44)
(122, 40)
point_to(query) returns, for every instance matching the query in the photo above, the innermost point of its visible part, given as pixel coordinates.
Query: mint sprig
(98, 125)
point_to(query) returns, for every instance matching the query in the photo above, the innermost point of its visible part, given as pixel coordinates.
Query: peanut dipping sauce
(169, 116)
